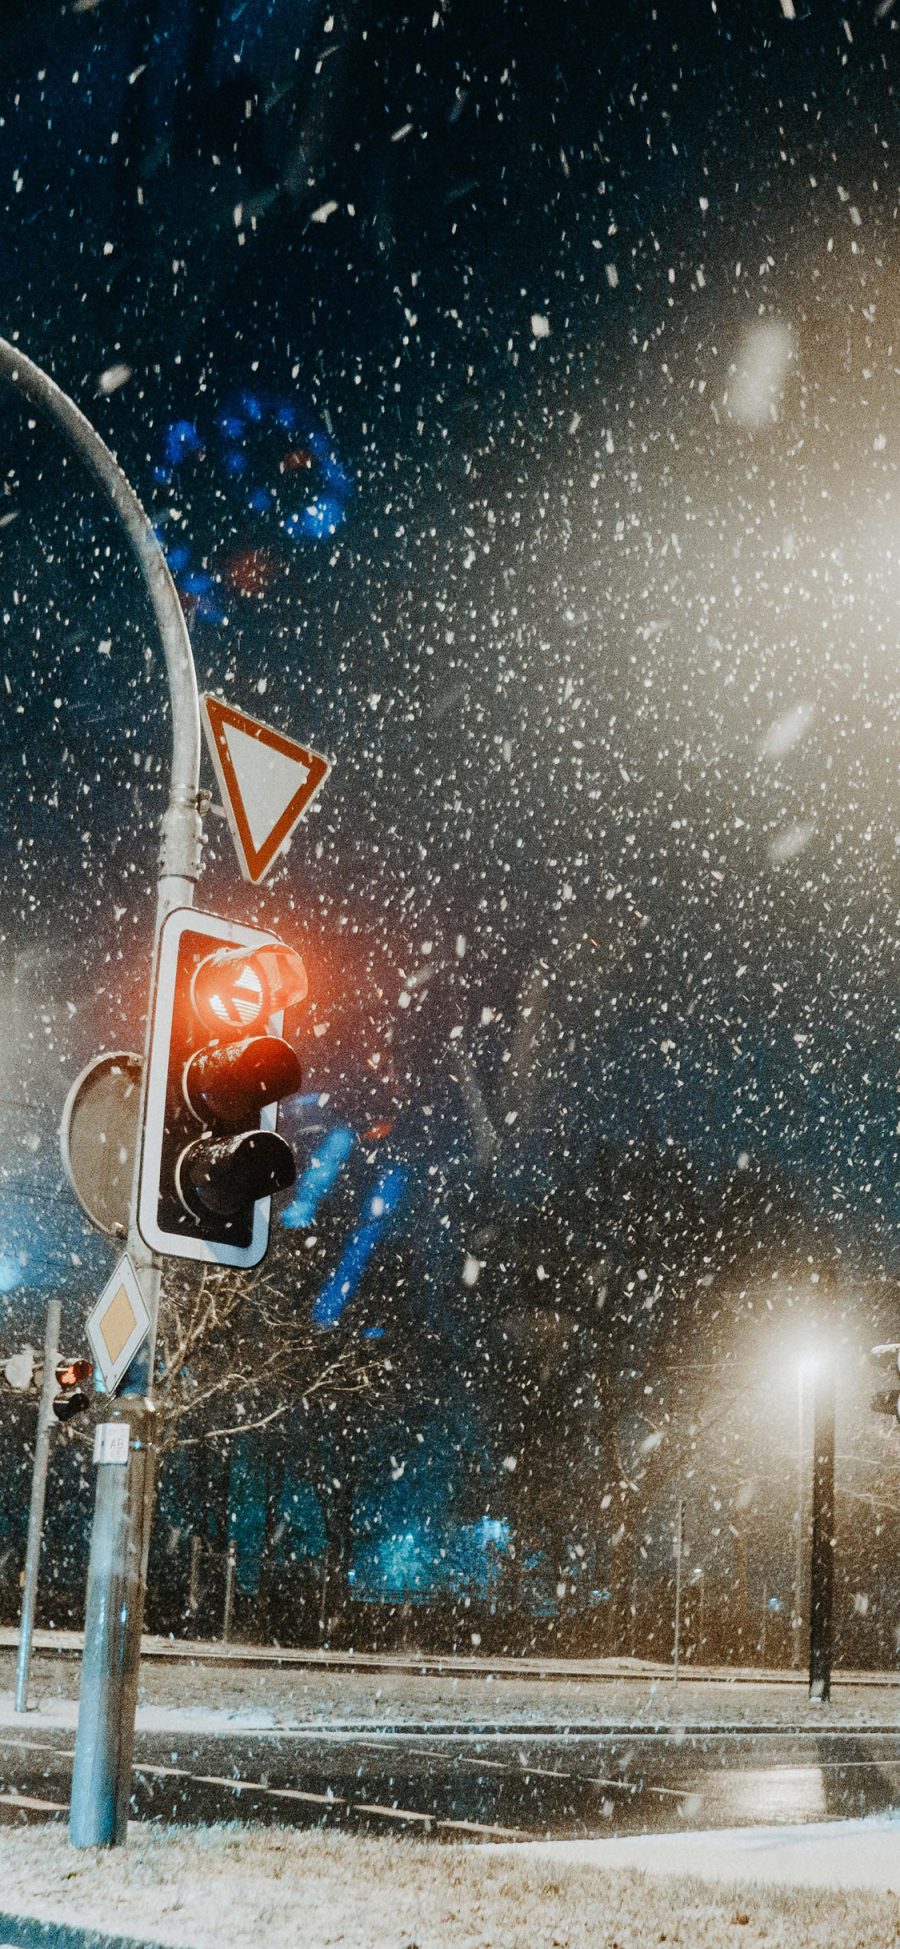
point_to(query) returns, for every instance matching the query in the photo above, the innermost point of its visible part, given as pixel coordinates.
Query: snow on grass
(278, 1889)
(224, 1696)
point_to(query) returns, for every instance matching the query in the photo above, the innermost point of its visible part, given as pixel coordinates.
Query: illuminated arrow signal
(267, 782)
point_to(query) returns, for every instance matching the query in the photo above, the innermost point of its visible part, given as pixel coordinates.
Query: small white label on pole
(118, 1325)
(111, 1441)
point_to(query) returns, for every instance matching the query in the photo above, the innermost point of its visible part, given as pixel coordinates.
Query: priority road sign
(267, 782)
(118, 1325)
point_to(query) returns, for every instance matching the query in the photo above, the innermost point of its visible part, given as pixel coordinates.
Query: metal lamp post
(821, 1600)
(36, 1508)
(120, 1537)
(806, 1371)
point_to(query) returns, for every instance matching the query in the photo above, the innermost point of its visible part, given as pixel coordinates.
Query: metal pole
(120, 1539)
(679, 1552)
(228, 1612)
(324, 1596)
(821, 1596)
(194, 1585)
(36, 1510)
(797, 1604)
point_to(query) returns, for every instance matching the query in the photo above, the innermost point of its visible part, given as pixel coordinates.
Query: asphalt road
(456, 1784)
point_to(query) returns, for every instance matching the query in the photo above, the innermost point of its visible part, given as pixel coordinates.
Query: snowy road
(515, 1785)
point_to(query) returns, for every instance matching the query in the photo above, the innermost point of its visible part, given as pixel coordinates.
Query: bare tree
(238, 1353)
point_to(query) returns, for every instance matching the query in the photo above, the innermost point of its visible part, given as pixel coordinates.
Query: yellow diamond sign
(118, 1325)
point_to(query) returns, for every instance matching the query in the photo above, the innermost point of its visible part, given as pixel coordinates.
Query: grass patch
(277, 1888)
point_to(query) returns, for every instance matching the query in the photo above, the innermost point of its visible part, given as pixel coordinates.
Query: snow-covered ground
(831, 1854)
(273, 1696)
(278, 1889)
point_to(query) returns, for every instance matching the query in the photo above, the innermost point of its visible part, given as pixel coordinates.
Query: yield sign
(267, 781)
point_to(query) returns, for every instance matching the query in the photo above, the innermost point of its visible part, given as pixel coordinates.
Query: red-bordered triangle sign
(267, 782)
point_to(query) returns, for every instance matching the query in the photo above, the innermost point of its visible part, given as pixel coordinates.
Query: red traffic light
(73, 1376)
(74, 1373)
(238, 989)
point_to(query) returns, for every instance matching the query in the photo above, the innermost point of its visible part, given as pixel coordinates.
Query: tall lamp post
(120, 1537)
(821, 1596)
(806, 1373)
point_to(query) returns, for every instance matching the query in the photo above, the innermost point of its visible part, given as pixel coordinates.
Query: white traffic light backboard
(187, 939)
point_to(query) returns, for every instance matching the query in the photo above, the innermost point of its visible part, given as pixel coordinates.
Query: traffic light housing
(72, 1379)
(211, 1156)
(888, 1400)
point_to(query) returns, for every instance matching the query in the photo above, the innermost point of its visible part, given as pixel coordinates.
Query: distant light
(318, 520)
(10, 1273)
(494, 1530)
(197, 582)
(181, 438)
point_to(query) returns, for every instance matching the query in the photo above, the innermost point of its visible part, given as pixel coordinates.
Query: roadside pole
(194, 1584)
(821, 1595)
(679, 1553)
(120, 1538)
(799, 1539)
(38, 1497)
(228, 1609)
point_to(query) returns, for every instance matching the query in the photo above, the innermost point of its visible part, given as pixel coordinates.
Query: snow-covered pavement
(827, 1854)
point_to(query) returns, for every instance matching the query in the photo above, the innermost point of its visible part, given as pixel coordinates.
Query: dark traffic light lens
(224, 1176)
(67, 1405)
(232, 1082)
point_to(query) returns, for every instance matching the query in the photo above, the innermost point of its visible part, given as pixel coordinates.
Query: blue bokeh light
(335, 1295)
(10, 1273)
(319, 1178)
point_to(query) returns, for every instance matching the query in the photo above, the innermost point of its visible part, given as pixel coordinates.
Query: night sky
(517, 391)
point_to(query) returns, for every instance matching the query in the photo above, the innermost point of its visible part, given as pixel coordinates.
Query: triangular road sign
(267, 782)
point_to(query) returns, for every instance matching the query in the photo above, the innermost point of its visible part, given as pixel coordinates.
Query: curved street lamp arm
(180, 851)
